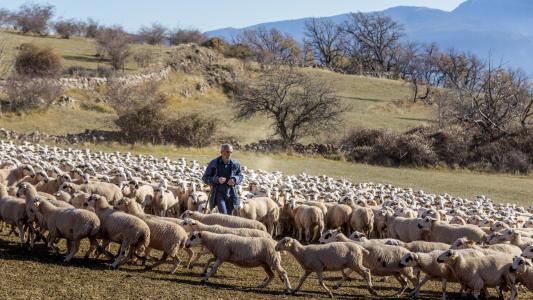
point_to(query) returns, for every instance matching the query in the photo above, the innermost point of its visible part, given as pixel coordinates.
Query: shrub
(34, 61)
(66, 28)
(186, 36)
(114, 42)
(143, 57)
(191, 130)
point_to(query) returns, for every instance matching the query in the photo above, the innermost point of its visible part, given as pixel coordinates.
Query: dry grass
(41, 275)
(76, 51)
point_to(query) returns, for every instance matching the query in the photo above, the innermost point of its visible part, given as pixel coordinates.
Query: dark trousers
(224, 203)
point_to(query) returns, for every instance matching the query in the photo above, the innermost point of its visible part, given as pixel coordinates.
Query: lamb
(309, 219)
(13, 212)
(71, 224)
(338, 216)
(479, 273)
(131, 232)
(242, 251)
(262, 209)
(108, 190)
(438, 231)
(329, 257)
(465, 243)
(382, 260)
(49, 186)
(224, 220)
(164, 236)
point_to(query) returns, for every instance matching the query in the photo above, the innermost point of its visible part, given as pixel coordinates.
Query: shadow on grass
(418, 119)
(361, 99)
(85, 58)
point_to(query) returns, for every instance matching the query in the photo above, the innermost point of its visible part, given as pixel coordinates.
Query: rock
(202, 87)
(185, 93)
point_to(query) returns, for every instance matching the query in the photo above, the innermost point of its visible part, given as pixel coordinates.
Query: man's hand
(221, 180)
(231, 182)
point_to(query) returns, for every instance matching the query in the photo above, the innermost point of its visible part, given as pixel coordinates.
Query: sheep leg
(416, 291)
(302, 279)
(270, 276)
(214, 269)
(177, 262)
(191, 254)
(307, 234)
(21, 231)
(206, 267)
(94, 246)
(345, 276)
(403, 283)
(365, 273)
(321, 281)
(121, 258)
(158, 263)
(283, 276)
(74, 247)
(202, 252)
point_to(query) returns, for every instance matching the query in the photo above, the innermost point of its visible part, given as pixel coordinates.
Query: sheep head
(520, 264)
(426, 223)
(195, 238)
(328, 236)
(447, 256)
(409, 260)
(285, 244)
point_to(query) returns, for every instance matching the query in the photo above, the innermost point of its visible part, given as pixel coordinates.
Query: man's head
(225, 151)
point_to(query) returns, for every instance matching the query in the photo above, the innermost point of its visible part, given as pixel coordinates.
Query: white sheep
(224, 220)
(329, 257)
(108, 190)
(71, 224)
(13, 212)
(439, 231)
(132, 233)
(164, 236)
(524, 273)
(480, 273)
(262, 209)
(242, 251)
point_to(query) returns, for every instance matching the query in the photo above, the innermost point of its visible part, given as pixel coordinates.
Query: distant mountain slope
(500, 28)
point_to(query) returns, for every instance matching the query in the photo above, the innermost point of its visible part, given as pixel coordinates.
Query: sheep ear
(199, 234)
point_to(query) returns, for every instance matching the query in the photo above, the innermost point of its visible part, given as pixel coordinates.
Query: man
(223, 174)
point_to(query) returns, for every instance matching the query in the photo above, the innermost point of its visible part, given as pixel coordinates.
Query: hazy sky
(214, 14)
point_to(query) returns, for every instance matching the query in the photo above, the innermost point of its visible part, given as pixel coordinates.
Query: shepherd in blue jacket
(223, 174)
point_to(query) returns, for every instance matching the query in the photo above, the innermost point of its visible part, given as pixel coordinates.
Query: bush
(114, 42)
(186, 36)
(216, 44)
(33, 61)
(240, 51)
(27, 94)
(143, 57)
(142, 118)
(66, 28)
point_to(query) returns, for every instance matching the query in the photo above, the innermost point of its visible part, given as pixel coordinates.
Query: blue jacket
(210, 177)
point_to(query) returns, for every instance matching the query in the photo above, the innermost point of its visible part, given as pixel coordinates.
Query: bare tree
(377, 36)
(297, 105)
(6, 18)
(34, 18)
(153, 34)
(90, 28)
(422, 69)
(497, 104)
(67, 28)
(326, 40)
(271, 46)
(185, 36)
(115, 42)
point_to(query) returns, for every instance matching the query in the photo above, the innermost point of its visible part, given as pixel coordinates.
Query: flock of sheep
(144, 203)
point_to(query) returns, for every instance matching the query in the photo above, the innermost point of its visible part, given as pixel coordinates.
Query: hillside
(500, 28)
(375, 103)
